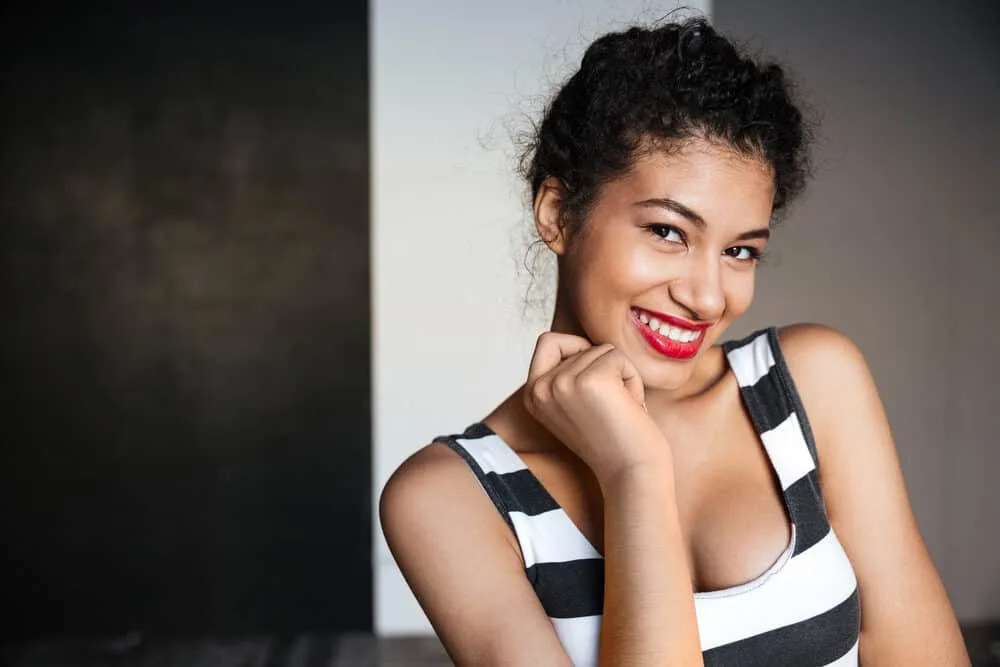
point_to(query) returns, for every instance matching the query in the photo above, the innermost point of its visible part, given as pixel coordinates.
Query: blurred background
(237, 247)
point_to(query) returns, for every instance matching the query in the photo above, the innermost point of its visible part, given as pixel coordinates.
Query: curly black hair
(661, 86)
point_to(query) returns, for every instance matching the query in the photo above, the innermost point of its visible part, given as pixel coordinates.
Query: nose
(699, 289)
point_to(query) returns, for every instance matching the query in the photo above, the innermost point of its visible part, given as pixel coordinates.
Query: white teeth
(664, 329)
(677, 334)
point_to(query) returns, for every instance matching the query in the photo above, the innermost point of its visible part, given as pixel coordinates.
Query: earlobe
(548, 213)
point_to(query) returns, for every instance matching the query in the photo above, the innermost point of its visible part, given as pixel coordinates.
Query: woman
(654, 496)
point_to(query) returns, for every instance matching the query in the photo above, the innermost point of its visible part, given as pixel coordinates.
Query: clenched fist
(592, 398)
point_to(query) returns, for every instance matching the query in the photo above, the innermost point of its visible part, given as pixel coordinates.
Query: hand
(592, 398)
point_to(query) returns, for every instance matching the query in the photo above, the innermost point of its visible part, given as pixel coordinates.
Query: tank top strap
(779, 418)
(504, 476)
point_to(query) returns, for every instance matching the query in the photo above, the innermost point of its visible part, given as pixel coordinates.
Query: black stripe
(522, 492)
(517, 491)
(817, 641)
(778, 386)
(805, 506)
(768, 403)
(488, 485)
(792, 392)
(476, 431)
(571, 589)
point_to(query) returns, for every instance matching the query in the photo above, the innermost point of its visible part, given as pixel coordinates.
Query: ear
(548, 212)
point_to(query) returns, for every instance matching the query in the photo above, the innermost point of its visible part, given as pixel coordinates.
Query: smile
(668, 335)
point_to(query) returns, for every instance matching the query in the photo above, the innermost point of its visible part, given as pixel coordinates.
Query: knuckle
(590, 381)
(537, 393)
(562, 385)
(545, 339)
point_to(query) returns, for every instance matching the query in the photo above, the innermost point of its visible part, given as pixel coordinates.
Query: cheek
(606, 278)
(739, 293)
(626, 265)
(608, 264)
(649, 269)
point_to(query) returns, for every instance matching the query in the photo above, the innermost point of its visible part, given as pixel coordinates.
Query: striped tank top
(802, 611)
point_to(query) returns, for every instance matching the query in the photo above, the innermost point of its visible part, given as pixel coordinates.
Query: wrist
(653, 471)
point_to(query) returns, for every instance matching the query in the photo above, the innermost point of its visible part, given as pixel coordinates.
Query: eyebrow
(695, 219)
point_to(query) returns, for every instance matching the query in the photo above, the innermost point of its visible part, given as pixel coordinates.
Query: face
(665, 260)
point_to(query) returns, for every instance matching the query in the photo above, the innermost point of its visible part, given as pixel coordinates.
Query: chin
(662, 372)
(665, 379)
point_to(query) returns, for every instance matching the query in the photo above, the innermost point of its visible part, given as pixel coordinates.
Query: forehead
(713, 180)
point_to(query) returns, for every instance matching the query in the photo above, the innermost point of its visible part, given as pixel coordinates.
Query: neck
(564, 320)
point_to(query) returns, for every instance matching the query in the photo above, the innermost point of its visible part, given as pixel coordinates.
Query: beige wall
(897, 242)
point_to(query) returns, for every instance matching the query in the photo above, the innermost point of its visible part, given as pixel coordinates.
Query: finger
(562, 380)
(578, 363)
(553, 348)
(617, 363)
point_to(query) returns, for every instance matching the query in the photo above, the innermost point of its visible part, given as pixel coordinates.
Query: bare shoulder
(416, 478)
(432, 460)
(462, 562)
(815, 351)
(434, 486)
(829, 371)
(907, 618)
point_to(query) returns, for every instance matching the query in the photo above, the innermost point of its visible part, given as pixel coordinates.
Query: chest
(731, 507)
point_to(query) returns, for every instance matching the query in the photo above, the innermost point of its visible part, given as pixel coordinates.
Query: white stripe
(813, 582)
(579, 637)
(493, 454)
(849, 659)
(787, 449)
(752, 361)
(550, 537)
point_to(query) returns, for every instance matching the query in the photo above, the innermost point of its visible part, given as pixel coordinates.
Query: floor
(303, 651)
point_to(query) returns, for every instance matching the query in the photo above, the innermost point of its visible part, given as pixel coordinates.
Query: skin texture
(616, 260)
(679, 496)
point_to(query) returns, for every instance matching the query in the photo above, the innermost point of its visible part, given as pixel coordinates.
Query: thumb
(628, 374)
(633, 383)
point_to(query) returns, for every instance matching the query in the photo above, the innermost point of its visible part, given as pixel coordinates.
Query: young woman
(652, 495)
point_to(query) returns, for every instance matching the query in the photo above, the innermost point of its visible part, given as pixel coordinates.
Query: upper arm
(462, 563)
(906, 617)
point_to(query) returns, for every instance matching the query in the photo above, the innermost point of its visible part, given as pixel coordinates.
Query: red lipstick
(669, 347)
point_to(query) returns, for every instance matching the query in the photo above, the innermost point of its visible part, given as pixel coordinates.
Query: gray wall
(897, 242)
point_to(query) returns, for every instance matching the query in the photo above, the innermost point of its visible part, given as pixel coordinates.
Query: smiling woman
(654, 494)
(691, 223)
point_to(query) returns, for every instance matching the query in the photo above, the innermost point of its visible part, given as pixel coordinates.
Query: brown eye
(744, 253)
(667, 233)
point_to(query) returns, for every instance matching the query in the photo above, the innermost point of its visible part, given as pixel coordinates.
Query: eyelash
(755, 254)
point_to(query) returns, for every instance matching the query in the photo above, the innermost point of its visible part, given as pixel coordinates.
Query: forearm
(649, 616)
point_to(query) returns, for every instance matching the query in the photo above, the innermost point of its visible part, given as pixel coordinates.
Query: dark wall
(184, 321)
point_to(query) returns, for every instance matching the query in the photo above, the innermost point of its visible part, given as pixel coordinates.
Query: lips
(669, 336)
